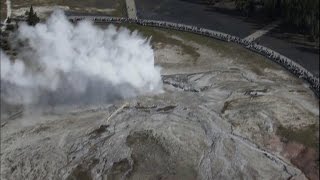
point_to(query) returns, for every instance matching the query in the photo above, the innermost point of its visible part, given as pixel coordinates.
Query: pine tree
(31, 11)
(32, 18)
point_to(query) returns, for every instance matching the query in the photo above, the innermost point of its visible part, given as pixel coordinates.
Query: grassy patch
(84, 6)
(226, 50)
(120, 9)
(71, 3)
(306, 136)
(163, 36)
(3, 8)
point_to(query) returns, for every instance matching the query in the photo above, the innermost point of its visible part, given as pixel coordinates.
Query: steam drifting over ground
(62, 63)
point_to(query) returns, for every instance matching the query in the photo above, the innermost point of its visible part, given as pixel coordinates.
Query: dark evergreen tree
(31, 11)
(32, 18)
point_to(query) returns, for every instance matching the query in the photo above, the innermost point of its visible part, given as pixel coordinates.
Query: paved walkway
(131, 9)
(262, 31)
(8, 3)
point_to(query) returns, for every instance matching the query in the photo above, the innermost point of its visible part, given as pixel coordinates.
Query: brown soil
(308, 161)
(305, 158)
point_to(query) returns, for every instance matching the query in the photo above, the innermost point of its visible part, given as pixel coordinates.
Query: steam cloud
(65, 63)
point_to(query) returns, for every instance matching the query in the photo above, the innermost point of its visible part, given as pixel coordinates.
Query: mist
(63, 63)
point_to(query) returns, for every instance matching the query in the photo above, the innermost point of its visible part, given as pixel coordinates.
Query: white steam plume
(61, 63)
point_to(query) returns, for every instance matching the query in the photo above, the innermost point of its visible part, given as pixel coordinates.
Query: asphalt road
(193, 12)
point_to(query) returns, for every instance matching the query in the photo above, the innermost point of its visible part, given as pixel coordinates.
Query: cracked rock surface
(211, 122)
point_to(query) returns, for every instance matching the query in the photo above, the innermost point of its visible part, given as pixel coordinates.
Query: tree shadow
(308, 49)
(231, 12)
(258, 19)
(196, 2)
(294, 37)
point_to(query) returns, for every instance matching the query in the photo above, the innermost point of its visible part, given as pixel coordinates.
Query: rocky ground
(225, 113)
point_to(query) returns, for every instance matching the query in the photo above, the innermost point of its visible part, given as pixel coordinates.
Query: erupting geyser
(64, 63)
